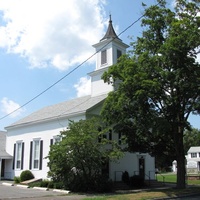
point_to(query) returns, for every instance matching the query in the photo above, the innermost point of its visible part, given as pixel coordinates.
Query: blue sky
(42, 41)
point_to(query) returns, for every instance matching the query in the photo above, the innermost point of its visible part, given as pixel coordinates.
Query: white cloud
(8, 106)
(51, 32)
(83, 87)
(173, 3)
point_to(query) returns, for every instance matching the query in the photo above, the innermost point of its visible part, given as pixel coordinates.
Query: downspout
(0, 168)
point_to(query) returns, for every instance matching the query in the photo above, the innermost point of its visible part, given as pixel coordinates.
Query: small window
(103, 57)
(193, 155)
(119, 53)
(56, 139)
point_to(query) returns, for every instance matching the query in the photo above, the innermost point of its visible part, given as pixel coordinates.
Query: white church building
(28, 140)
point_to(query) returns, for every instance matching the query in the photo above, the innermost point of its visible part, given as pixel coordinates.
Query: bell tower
(108, 50)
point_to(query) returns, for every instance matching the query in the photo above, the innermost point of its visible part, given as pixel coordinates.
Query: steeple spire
(110, 33)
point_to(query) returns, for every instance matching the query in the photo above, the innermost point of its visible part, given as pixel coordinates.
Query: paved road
(14, 192)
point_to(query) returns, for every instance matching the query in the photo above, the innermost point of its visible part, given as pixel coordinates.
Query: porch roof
(5, 155)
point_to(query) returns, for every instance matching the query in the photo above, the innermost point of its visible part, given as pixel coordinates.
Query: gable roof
(194, 149)
(64, 109)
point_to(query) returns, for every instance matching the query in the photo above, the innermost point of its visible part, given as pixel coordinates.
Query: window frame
(18, 155)
(193, 155)
(119, 54)
(104, 57)
(56, 139)
(36, 158)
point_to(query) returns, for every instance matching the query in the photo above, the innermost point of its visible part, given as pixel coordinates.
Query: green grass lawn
(153, 193)
(171, 178)
(145, 195)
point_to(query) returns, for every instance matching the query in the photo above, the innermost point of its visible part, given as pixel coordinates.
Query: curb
(8, 184)
(23, 186)
(63, 191)
(41, 188)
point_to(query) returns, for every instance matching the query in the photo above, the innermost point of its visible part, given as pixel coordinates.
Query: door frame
(141, 163)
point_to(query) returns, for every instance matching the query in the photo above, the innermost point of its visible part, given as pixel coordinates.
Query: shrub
(126, 178)
(103, 184)
(97, 183)
(34, 184)
(26, 175)
(50, 184)
(44, 183)
(17, 179)
(137, 181)
(58, 185)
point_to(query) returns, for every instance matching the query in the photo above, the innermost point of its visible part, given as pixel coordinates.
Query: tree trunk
(180, 183)
(180, 158)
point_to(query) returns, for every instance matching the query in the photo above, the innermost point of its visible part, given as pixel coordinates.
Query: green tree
(191, 138)
(158, 83)
(77, 160)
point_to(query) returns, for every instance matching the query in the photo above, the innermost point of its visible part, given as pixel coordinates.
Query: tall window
(36, 153)
(18, 155)
(103, 57)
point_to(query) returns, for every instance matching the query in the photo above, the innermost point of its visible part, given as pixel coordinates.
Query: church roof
(60, 110)
(110, 33)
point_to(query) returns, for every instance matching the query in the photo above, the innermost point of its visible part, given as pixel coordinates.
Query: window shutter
(31, 152)
(41, 154)
(110, 134)
(22, 157)
(51, 142)
(14, 156)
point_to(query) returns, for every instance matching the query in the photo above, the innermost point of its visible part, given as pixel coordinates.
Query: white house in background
(29, 139)
(193, 161)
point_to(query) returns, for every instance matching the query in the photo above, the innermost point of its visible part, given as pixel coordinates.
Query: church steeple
(110, 33)
(108, 50)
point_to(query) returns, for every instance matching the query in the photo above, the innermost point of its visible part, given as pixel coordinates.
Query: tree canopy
(77, 161)
(158, 82)
(191, 138)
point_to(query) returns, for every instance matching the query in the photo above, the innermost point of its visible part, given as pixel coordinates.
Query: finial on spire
(110, 17)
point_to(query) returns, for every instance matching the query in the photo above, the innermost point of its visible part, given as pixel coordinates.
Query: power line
(78, 66)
